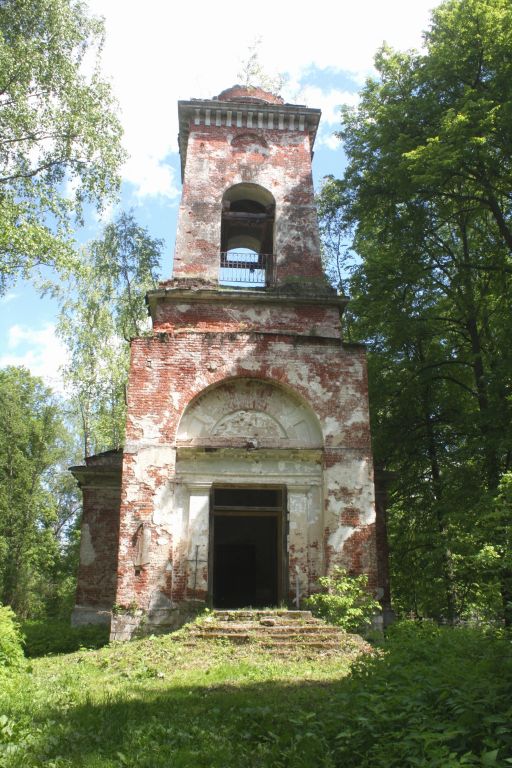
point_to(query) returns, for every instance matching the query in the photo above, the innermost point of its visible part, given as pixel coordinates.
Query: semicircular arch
(248, 191)
(240, 411)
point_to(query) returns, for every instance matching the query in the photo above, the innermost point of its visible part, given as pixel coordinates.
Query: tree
(426, 204)
(34, 450)
(253, 75)
(59, 136)
(103, 310)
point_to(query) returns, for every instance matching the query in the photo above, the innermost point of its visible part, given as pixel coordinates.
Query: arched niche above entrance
(249, 412)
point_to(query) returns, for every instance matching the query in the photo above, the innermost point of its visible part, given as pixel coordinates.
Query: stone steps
(241, 614)
(276, 629)
(280, 632)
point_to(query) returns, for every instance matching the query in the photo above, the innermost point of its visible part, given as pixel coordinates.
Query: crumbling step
(289, 649)
(219, 634)
(309, 644)
(257, 615)
(280, 632)
(269, 644)
(266, 637)
(247, 626)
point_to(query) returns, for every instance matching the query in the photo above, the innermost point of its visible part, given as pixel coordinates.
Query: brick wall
(170, 370)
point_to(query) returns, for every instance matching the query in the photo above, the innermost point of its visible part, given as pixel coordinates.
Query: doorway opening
(247, 548)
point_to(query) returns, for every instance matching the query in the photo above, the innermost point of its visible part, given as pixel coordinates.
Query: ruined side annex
(247, 469)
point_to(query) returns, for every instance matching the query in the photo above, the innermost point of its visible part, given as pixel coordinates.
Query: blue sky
(159, 52)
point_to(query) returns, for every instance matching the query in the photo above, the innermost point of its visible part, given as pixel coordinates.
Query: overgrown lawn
(430, 697)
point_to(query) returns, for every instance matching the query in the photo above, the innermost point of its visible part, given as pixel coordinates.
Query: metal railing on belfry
(242, 268)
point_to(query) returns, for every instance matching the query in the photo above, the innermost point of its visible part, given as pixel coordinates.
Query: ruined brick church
(247, 469)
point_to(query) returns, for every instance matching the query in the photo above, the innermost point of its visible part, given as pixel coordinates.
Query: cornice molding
(240, 114)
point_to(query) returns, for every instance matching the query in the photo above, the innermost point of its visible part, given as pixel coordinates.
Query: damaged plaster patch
(303, 379)
(331, 426)
(159, 601)
(87, 553)
(149, 427)
(338, 538)
(163, 507)
(175, 399)
(152, 458)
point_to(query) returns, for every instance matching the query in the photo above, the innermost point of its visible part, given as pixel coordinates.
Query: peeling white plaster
(157, 457)
(338, 537)
(150, 427)
(87, 553)
(314, 505)
(335, 507)
(331, 426)
(175, 399)
(163, 507)
(297, 504)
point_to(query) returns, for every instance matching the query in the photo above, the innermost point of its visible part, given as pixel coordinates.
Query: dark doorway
(247, 547)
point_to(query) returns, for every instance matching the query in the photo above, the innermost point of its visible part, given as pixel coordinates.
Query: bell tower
(247, 183)
(247, 469)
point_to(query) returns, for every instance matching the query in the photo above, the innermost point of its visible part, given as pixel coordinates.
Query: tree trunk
(447, 559)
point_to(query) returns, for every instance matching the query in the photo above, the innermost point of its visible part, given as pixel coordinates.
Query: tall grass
(430, 697)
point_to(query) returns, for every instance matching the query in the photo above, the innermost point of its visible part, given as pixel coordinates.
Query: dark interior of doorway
(246, 547)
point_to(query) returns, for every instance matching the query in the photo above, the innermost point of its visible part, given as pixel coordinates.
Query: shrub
(435, 696)
(45, 637)
(345, 602)
(11, 640)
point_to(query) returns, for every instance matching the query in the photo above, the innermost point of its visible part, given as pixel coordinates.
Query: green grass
(430, 698)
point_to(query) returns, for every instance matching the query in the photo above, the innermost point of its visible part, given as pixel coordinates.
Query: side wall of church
(99, 542)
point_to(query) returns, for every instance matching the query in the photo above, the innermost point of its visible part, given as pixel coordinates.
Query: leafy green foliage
(436, 697)
(38, 503)
(45, 637)
(58, 131)
(102, 309)
(425, 205)
(11, 640)
(345, 602)
(433, 698)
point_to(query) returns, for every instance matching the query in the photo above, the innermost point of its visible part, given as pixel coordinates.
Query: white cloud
(8, 297)
(329, 102)
(39, 350)
(150, 176)
(162, 52)
(328, 140)
(106, 214)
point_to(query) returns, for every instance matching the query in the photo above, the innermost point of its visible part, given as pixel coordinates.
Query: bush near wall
(48, 637)
(11, 640)
(345, 601)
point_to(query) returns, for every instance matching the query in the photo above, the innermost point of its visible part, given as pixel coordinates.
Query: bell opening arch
(247, 235)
